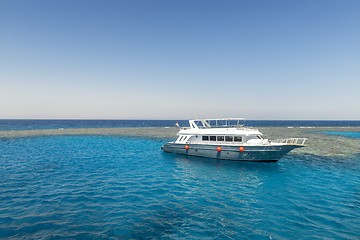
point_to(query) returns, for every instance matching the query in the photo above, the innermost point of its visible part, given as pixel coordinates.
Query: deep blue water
(99, 187)
(48, 124)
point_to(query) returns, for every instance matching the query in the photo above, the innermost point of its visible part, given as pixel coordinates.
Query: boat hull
(266, 153)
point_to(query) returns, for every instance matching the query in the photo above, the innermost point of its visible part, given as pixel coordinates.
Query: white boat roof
(214, 119)
(219, 131)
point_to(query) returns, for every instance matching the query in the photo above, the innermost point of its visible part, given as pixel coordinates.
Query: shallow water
(121, 187)
(320, 140)
(345, 134)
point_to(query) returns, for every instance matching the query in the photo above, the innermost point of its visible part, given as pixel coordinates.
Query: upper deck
(217, 123)
(227, 126)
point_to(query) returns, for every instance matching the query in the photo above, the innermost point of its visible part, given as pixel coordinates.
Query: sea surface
(20, 124)
(123, 187)
(345, 134)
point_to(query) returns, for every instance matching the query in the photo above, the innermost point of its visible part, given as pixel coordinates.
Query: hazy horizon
(174, 119)
(262, 60)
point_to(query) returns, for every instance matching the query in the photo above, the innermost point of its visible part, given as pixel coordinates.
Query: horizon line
(152, 119)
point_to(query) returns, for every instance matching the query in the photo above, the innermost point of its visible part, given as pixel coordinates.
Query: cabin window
(212, 138)
(237, 139)
(259, 137)
(205, 138)
(186, 138)
(180, 138)
(220, 138)
(229, 138)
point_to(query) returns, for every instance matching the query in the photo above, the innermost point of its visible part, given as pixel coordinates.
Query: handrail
(214, 119)
(291, 141)
(217, 123)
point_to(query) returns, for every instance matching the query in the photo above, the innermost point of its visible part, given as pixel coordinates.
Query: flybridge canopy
(217, 123)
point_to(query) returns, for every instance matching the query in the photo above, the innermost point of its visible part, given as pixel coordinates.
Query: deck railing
(291, 141)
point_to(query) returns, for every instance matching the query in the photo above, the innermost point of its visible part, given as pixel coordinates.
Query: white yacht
(228, 138)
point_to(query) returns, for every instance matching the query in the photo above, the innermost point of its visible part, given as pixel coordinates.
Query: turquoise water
(346, 134)
(99, 187)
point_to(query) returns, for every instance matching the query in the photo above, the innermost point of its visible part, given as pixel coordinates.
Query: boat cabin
(217, 131)
(208, 139)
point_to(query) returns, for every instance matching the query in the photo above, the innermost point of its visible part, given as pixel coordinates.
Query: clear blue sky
(180, 59)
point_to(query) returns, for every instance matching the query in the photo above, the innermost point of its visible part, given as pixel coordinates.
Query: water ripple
(98, 187)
